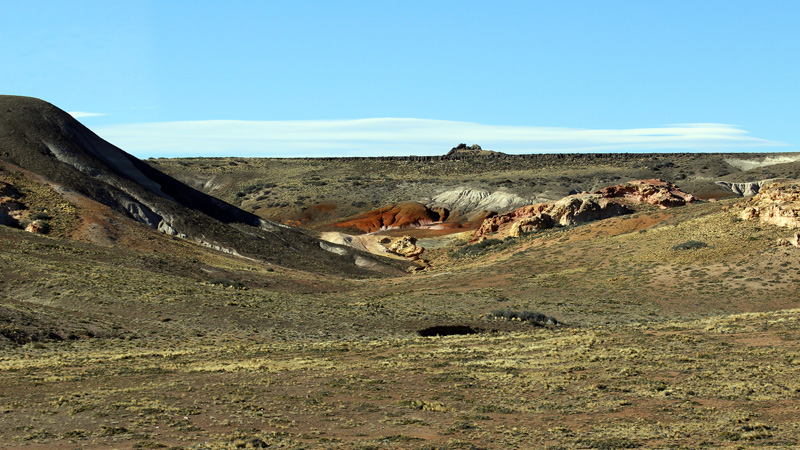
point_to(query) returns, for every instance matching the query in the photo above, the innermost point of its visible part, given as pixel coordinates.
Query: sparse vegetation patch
(531, 317)
(225, 282)
(690, 245)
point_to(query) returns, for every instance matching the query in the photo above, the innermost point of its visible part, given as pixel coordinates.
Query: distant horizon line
(500, 155)
(384, 137)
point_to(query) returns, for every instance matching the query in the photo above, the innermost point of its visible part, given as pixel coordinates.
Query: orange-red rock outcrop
(399, 215)
(654, 191)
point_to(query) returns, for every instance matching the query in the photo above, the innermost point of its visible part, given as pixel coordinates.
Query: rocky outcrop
(531, 224)
(38, 227)
(793, 240)
(569, 210)
(656, 192)
(364, 242)
(404, 246)
(776, 204)
(399, 215)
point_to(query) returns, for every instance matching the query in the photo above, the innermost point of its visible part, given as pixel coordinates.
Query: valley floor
(725, 382)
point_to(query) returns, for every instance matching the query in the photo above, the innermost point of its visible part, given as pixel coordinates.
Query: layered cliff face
(775, 204)
(469, 204)
(748, 188)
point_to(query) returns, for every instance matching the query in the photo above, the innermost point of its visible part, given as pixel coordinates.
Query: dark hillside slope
(42, 138)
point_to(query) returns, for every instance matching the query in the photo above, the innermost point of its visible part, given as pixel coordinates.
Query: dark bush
(40, 216)
(44, 227)
(690, 245)
(478, 247)
(447, 330)
(532, 317)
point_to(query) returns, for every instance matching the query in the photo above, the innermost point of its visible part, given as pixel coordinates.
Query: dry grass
(660, 348)
(720, 382)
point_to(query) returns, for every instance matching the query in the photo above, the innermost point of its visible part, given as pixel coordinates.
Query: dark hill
(42, 138)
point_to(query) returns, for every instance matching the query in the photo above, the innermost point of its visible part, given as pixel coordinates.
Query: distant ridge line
(542, 156)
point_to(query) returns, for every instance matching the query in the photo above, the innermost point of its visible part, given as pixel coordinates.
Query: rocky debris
(747, 189)
(794, 240)
(776, 204)
(404, 246)
(656, 192)
(530, 224)
(569, 210)
(398, 215)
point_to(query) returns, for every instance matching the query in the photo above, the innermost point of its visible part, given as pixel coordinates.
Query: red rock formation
(567, 211)
(399, 215)
(657, 192)
(776, 204)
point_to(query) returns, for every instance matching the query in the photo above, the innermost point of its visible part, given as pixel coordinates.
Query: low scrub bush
(480, 247)
(40, 216)
(532, 317)
(690, 245)
(227, 283)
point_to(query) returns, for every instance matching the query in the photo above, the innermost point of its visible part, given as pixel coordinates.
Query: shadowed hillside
(45, 140)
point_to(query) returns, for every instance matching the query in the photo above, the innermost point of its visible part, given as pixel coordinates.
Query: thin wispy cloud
(382, 137)
(82, 114)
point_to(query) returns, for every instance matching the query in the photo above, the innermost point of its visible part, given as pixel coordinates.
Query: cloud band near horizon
(403, 137)
(82, 114)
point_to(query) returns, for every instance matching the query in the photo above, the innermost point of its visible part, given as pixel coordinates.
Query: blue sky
(310, 78)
